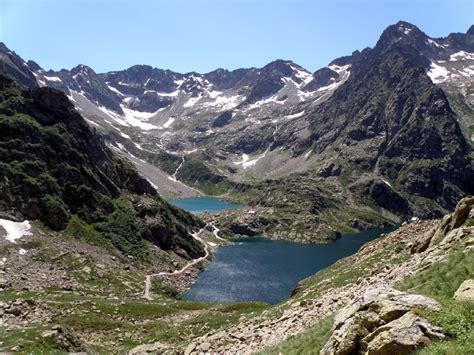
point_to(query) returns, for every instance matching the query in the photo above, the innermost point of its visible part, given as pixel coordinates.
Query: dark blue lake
(258, 269)
(202, 204)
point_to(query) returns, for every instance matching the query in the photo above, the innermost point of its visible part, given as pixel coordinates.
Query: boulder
(64, 339)
(401, 336)
(205, 346)
(382, 321)
(4, 283)
(465, 292)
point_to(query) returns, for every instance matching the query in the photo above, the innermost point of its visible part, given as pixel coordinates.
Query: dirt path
(216, 231)
(148, 278)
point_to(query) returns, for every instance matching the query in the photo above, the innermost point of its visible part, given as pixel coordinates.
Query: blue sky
(202, 35)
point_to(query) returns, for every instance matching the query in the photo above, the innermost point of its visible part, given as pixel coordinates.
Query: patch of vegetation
(77, 228)
(441, 280)
(125, 232)
(195, 172)
(32, 243)
(159, 288)
(309, 341)
(469, 222)
(28, 341)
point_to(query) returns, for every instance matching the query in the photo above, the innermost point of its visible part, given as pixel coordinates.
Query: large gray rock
(465, 292)
(382, 321)
(401, 336)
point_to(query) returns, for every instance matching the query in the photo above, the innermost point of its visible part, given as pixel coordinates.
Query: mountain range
(373, 138)
(93, 259)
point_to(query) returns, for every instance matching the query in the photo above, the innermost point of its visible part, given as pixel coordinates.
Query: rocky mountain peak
(401, 32)
(280, 66)
(470, 31)
(82, 69)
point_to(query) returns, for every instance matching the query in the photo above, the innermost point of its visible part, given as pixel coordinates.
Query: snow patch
(247, 163)
(137, 118)
(225, 102)
(214, 94)
(192, 101)
(152, 184)
(437, 73)
(52, 78)
(304, 75)
(339, 69)
(461, 55)
(168, 123)
(167, 94)
(404, 29)
(115, 90)
(113, 115)
(15, 230)
(434, 43)
(92, 122)
(271, 99)
(295, 115)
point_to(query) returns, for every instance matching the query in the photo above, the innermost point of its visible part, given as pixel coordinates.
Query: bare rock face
(465, 292)
(450, 222)
(382, 321)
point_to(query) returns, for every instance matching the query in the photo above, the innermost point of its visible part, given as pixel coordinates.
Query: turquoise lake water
(258, 269)
(202, 204)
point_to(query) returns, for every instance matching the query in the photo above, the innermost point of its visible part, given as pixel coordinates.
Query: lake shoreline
(221, 250)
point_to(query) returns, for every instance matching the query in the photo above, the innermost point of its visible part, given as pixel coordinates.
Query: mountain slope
(389, 120)
(54, 167)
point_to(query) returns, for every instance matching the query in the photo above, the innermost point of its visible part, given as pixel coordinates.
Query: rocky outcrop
(64, 339)
(445, 230)
(383, 321)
